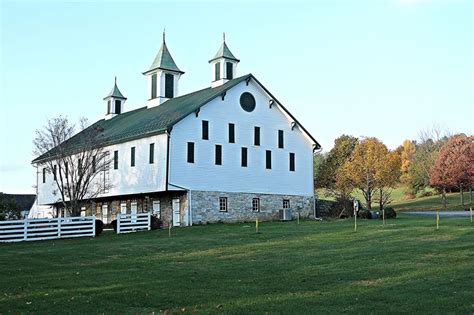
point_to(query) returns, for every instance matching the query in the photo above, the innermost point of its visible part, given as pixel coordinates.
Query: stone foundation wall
(205, 206)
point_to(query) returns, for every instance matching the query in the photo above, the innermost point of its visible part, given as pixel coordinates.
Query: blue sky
(384, 68)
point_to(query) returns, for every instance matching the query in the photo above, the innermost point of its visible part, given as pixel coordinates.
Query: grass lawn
(406, 266)
(433, 203)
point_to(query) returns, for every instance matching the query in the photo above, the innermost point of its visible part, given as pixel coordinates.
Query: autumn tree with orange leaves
(454, 167)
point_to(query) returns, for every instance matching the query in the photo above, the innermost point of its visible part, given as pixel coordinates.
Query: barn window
(229, 72)
(117, 106)
(94, 167)
(218, 154)
(109, 106)
(205, 130)
(79, 166)
(292, 162)
(54, 171)
(153, 85)
(243, 159)
(151, 157)
(286, 203)
(132, 156)
(116, 160)
(256, 204)
(190, 152)
(157, 208)
(169, 85)
(256, 136)
(231, 133)
(223, 204)
(44, 175)
(217, 70)
(280, 139)
(268, 155)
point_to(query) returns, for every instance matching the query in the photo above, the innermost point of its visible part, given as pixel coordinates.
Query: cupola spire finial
(223, 37)
(115, 80)
(164, 31)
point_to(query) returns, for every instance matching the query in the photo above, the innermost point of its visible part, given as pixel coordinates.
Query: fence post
(93, 226)
(25, 229)
(59, 227)
(149, 221)
(118, 223)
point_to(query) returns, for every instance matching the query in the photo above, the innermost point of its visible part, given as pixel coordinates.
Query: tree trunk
(444, 198)
(462, 195)
(380, 199)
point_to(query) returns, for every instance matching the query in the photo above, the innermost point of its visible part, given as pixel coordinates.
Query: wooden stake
(383, 216)
(470, 209)
(169, 230)
(298, 217)
(355, 222)
(256, 225)
(437, 220)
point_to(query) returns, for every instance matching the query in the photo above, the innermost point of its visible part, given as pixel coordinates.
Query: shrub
(99, 227)
(155, 223)
(365, 214)
(114, 225)
(390, 213)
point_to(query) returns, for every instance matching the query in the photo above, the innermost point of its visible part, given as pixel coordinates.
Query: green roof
(163, 60)
(224, 52)
(145, 121)
(115, 92)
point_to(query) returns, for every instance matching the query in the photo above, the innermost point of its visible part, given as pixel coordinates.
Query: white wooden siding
(203, 174)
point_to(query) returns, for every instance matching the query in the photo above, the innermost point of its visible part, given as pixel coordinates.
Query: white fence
(45, 229)
(127, 223)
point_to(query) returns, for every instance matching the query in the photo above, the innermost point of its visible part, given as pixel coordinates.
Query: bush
(155, 223)
(99, 227)
(114, 225)
(390, 213)
(365, 214)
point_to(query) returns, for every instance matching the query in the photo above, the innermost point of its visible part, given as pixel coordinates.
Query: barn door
(176, 213)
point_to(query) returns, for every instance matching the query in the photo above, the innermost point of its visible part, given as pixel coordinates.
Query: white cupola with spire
(163, 77)
(223, 64)
(114, 102)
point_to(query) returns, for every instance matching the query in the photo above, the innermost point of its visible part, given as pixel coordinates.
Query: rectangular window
(280, 139)
(223, 204)
(190, 152)
(256, 204)
(109, 107)
(218, 154)
(268, 155)
(123, 208)
(151, 158)
(243, 160)
(157, 208)
(217, 69)
(205, 130)
(256, 136)
(54, 171)
(79, 166)
(169, 85)
(132, 156)
(231, 133)
(44, 175)
(94, 167)
(66, 169)
(117, 106)
(286, 203)
(229, 73)
(115, 160)
(292, 162)
(153, 86)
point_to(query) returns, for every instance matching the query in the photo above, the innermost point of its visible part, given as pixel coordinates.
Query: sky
(383, 68)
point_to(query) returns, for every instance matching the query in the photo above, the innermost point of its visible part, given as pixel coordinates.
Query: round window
(247, 102)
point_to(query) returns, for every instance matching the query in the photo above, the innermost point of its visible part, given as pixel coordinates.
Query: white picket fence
(45, 229)
(127, 223)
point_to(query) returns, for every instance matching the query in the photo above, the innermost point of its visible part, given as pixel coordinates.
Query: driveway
(441, 213)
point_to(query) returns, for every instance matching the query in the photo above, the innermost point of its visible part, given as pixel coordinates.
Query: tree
(334, 160)
(407, 153)
(387, 175)
(9, 209)
(76, 172)
(361, 170)
(453, 166)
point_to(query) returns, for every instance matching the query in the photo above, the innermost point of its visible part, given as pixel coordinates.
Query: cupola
(114, 102)
(223, 64)
(163, 77)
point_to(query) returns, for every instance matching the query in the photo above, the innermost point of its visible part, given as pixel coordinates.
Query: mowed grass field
(406, 266)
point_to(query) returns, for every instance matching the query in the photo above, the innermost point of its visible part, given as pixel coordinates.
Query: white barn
(228, 152)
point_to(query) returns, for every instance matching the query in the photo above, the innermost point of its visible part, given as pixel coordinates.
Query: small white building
(228, 152)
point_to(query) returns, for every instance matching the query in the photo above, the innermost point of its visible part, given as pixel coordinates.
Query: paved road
(441, 213)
